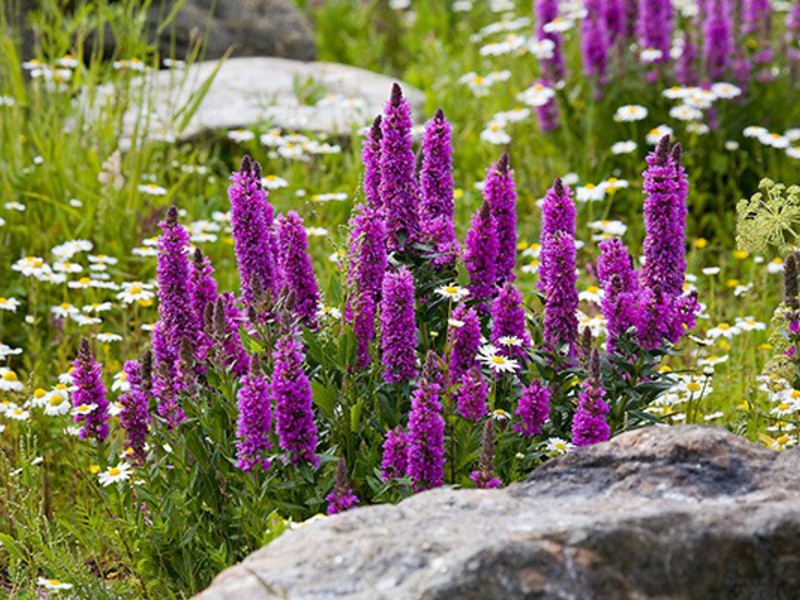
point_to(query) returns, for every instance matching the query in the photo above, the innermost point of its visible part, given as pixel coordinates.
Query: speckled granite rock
(659, 513)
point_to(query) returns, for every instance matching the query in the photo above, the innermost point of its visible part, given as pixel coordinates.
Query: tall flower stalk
(89, 396)
(397, 190)
(251, 228)
(398, 327)
(294, 415)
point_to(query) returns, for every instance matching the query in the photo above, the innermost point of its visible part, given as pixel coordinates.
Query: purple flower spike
(426, 432)
(533, 409)
(620, 287)
(135, 415)
(178, 319)
(472, 394)
(398, 327)
(251, 225)
(499, 191)
(655, 27)
(365, 277)
(371, 157)
(717, 39)
(394, 462)
(398, 190)
(480, 253)
(595, 42)
(342, 497)
(255, 420)
(295, 265)
(665, 221)
(509, 328)
(436, 190)
(547, 11)
(89, 395)
(294, 415)
(589, 425)
(561, 293)
(464, 341)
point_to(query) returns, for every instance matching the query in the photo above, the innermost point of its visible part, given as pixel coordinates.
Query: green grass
(52, 519)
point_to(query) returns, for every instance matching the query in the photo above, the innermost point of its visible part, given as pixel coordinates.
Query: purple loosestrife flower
(398, 326)
(655, 315)
(686, 69)
(367, 267)
(665, 260)
(471, 395)
(499, 191)
(178, 320)
(251, 222)
(533, 409)
(717, 38)
(291, 388)
(255, 419)
(508, 321)
(546, 11)
(203, 286)
(589, 425)
(595, 42)
(558, 210)
(436, 190)
(228, 351)
(756, 17)
(398, 190)
(342, 497)
(792, 37)
(484, 477)
(371, 157)
(426, 431)
(167, 389)
(481, 252)
(655, 23)
(394, 462)
(561, 293)
(464, 341)
(295, 265)
(616, 17)
(436, 172)
(135, 415)
(620, 287)
(89, 394)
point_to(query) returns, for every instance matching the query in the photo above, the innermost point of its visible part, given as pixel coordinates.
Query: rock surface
(247, 27)
(659, 513)
(333, 99)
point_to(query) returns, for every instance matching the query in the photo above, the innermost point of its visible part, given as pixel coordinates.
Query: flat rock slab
(657, 513)
(255, 91)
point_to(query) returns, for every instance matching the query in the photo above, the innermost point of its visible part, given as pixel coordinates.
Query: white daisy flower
(273, 182)
(241, 135)
(53, 584)
(497, 362)
(630, 113)
(625, 147)
(152, 189)
(121, 472)
(452, 291)
(556, 445)
(654, 135)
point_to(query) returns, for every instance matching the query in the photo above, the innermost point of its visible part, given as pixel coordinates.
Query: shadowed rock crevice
(659, 513)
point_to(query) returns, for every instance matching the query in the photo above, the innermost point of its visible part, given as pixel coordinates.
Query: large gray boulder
(660, 513)
(245, 27)
(247, 92)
